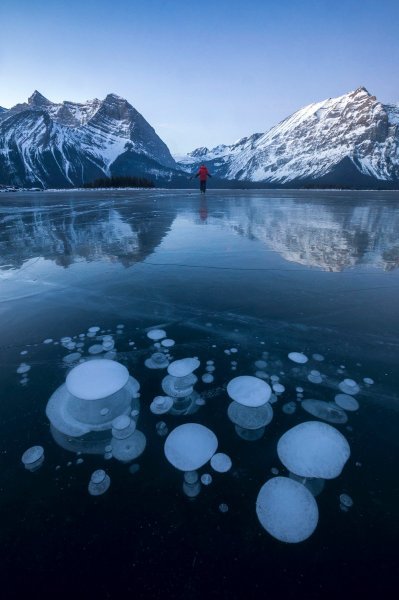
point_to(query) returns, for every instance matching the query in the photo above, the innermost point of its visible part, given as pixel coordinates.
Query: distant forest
(120, 182)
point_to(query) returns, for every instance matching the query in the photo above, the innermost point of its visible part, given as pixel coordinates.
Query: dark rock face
(43, 144)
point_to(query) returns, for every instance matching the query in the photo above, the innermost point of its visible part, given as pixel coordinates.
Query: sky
(201, 73)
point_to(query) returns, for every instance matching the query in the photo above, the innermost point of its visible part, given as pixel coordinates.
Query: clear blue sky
(202, 73)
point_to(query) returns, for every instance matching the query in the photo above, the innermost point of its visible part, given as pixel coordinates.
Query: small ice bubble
(298, 357)
(346, 500)
(274, 378)
(99, 483)
(23, 368)
(70, 345)
(108, 455)
(200, 401)
(260, 364)
(104, 411)
(214, 346)
(368, 380)
(208, 324)
(24, 352)
(221, 462)
(206, 479)
(134, 468)
(33, 458)
(289, 408)
(93, 329)
(134, 412)
(261, 375)
(48, 341)
(210, 362)
(207, 378)
(120, 326)
(274, 471)
(79, 461)
(71, 358)
(156, 334)
(318, 357)
(223, 507)
(162, 428)
(210, 368)
(95, 349)
(227, 352)
(233, 350)
(131, 343)
(191, 477)
(299, 390)
(168, 343)
(278, 388)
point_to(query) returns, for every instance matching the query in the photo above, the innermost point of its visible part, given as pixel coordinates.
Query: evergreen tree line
(120, 182)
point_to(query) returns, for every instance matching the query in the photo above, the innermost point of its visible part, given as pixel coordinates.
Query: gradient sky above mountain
(202, 73)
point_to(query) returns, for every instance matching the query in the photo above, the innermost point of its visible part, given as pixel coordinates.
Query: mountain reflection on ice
(238, 293)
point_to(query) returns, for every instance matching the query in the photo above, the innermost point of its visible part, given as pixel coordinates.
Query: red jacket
(203, 173)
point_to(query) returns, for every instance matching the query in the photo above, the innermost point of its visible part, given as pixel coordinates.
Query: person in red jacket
(203, 175)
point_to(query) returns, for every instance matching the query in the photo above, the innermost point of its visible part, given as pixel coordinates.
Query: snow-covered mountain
(349, 140)
(56, 145)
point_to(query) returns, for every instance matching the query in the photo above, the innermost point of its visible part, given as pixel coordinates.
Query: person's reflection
(203, 208)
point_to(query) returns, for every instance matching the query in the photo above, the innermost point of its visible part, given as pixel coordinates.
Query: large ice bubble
(183, 367)
(96, 379)
(328, 411)
(250, 417)
(313, 449)
(189, 446)
(249, 391)
(287, 510)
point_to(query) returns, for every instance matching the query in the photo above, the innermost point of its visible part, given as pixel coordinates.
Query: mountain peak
(361, 90)
(37, 99)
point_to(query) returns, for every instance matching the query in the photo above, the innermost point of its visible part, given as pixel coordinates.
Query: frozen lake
(235, 278)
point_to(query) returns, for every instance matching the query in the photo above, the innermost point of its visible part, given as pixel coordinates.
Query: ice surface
(346, 402)
(287, 510)
(96, 379)
(249, 391)
(250, 417)
(183, 367)
(298, 357)
(313, 449)
(189, 446)
(221, 463)
(328, 411)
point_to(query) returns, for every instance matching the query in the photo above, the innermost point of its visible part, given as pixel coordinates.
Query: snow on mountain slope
(353, 133)
(48, 144)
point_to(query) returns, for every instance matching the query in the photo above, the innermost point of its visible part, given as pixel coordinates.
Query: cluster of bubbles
(97, 409)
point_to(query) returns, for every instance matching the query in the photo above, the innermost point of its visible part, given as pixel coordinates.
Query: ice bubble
(278, 388)
(346, 402)
(191, 477)
(99, 483)
(108, 448)
(250, 417)
(274, 471)
(206, 479)
(261, 375)
(65, 340)
(167, 343)
(70, 345)
(274, 378)
(273, 399)
(192, 489)
(23, 368)
(207, 378)
(298, 357)
(162, 428)
(318, 357)
(79, 461)
(134, 468)
(233, 350)
(95, 349)
(161, 405)
(210, 362)
(210, 368)
(249, 391)
(96, 379)
(156, 334)
(200, 401)
(33, 458)
(349, 386)
(328, 411)
(189, 446)
(120, 326)
(107, 345)
(92, 330)
(23, 352)
(313, 449)
(368, 380)
(177, 387)
(48, 341)
(71, 358)
(227, 352)
(315, 376)
(108, 455)
(299, 390)
(123, 427)
(129, 448)
(223, 508)
(158, 360)
(249, 435)
(289, 408)
(260, 364)
(221, 463)
(183, 367)
(135, 412)
(104, 411)
(287, 510)
(346, 500)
